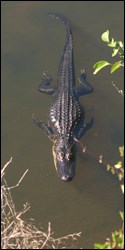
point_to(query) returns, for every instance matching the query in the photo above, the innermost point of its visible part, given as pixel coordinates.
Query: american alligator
(66, 116)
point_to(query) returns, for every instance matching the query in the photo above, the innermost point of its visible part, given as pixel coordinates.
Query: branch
(6, 165)
(19, 180)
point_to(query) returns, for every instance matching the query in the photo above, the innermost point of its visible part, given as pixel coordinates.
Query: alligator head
(64, 159)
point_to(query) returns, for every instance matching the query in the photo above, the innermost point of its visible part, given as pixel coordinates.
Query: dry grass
(19, 234)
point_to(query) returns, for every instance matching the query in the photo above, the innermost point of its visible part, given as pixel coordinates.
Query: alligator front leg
(47, 130)
(85, 87)
(44, 87)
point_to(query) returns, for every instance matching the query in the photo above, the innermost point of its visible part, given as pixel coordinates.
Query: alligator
(66, 116)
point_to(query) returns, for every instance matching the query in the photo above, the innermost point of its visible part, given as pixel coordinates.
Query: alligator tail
(62, 19)
(67, 56)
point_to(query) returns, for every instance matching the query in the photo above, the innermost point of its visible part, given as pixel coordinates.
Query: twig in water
(120, 91)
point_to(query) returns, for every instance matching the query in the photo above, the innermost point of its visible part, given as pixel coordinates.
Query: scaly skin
(66, 116)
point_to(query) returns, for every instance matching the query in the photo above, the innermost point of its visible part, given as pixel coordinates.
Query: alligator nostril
(66, 178)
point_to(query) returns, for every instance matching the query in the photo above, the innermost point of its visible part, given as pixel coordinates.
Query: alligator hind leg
(85, 87)
(48, 131)
(44, 87)
(84, 129)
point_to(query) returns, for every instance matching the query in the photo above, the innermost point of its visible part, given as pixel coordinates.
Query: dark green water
(31, 43)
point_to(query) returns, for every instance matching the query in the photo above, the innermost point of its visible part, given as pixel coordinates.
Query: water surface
(31, 43)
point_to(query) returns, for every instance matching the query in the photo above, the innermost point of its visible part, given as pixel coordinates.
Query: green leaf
(108, 167)
(99, 65)
(120, 176)
(118, 165)
(121, 151)
(112, 43)
(105, 36)
(99, 246)
(116, 66)
(121, 215)
(121, 55)
(122, 188)
(115, 51)
(121, 44)
(112, 170)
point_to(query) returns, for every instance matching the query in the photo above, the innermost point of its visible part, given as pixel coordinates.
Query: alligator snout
(66, 178)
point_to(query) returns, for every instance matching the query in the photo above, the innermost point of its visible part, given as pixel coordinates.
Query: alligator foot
(44, 86)
(85, 87)
(47, 130)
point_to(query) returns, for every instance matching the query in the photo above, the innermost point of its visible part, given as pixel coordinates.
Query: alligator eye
(70, 156)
